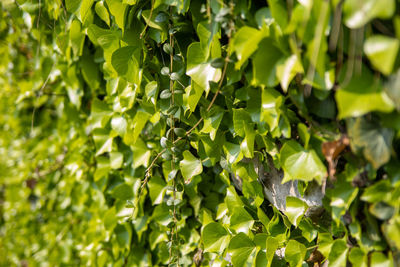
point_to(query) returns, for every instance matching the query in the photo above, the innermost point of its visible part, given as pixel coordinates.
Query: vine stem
(197, 123)
(147, 22)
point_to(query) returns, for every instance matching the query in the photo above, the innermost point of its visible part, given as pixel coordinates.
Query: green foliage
(134, 132)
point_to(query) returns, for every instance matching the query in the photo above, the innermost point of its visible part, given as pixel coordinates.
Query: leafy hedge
(124, 121)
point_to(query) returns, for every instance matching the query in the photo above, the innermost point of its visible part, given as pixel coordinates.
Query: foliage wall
(124, 121)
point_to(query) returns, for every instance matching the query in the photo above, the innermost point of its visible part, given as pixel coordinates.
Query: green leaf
(190, 166)
(123, 192)
(141, 154)
(119, 125)
(102, 12)
(337, 256)
(123, 235)
(360, 96)
(157, 188)
(243, 250)
(212, 121)
(245, 43)
(301, 164)
(199, 69)
(271, 247)
(77, 37)
(382, 52)
(139, 121)
(85, 9)
(215, 237)
(125, 61)
(90, 72)
(117, 9)
(103, 141)
(380, 191)
(270, 110)
(341, 198)
(116, 160)
(392, 88)
(295, 209)
(391, 230)
(278, 12)
(287, 69)
(241, 220)
(72, 5)
(370, 139)
(382, 211)
(295, 253)
(194, 92)
(304, 134)
(358, 13)
(253, 191)
(379, 259)
(308, 231)
(358, 257)
(247, 145)
(240, 118)
(264, 63)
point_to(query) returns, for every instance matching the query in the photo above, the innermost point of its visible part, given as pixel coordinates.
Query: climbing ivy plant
(130, 132)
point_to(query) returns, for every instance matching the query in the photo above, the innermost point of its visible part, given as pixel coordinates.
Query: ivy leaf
(271, 247)
(392, 88)
(157, 188)
(117, 9)
(243, 250)
(190, 166)
(116, 160)
(212, 122)
(379, 259)
(215, 237)
(382, 51)
(90, 72)
(141, 154)
(270, 110)
(76, 37)
(199, 69)
(119, 125)
(140, 120)
(301, 164)
(125, 61)
(102, 140)
(337, 256)
(360, 96)
(358, 13)
(264, 63)
(304, 134)
(288, 68)
(278, 12)
(123, 192)
(295, 209)
(245, 43)
(358, 257)
(240, 118)
(85, 9)
(295, 253)
(241, 220)
(102, 12)
(373, 141)
(391, 230)
(247, 145)
(380, 191)
(341, 198)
